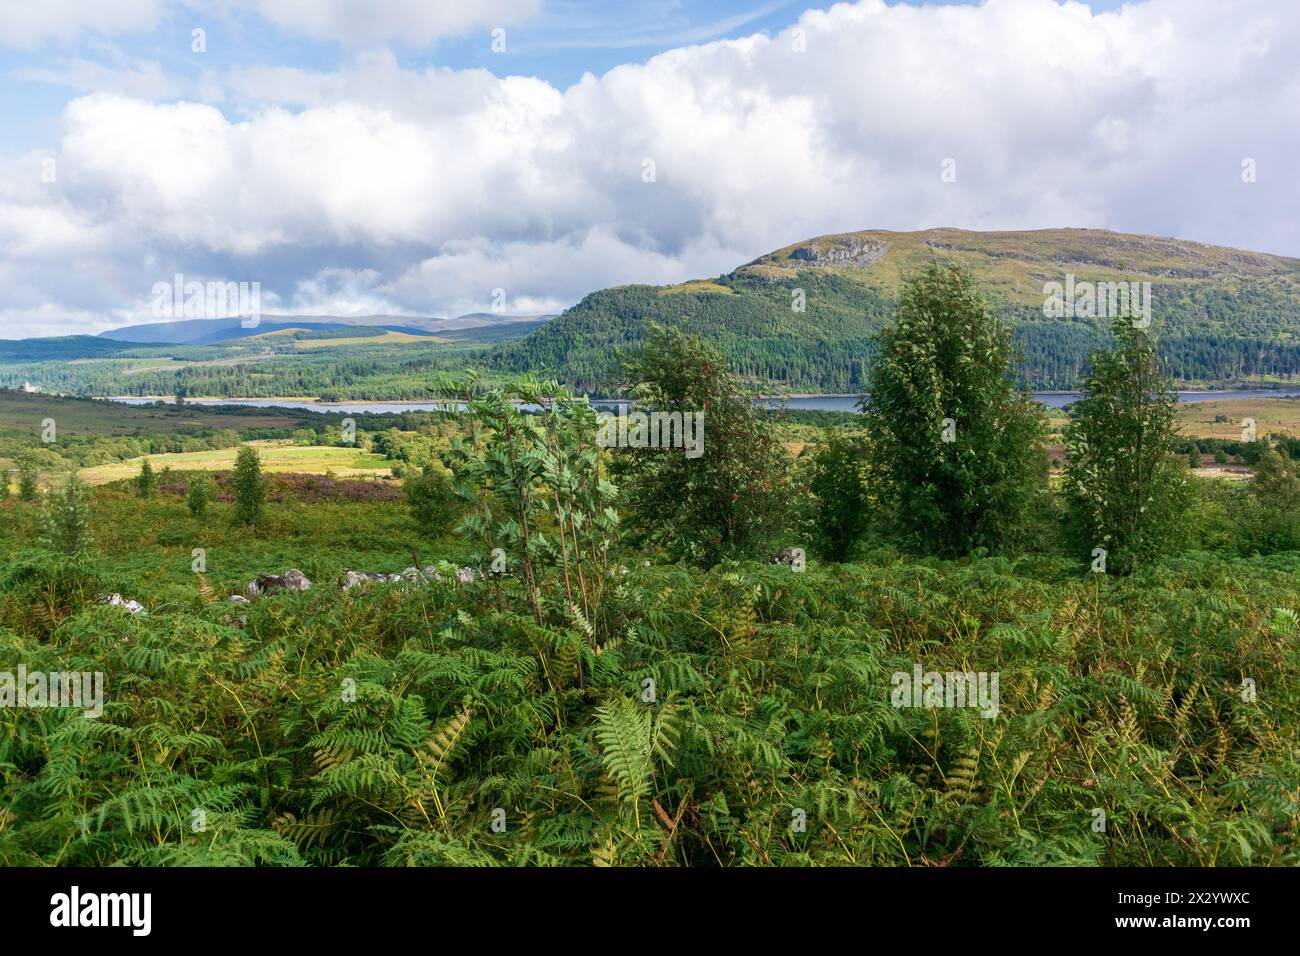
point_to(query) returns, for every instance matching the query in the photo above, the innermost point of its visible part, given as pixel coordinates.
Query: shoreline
(1282, 391)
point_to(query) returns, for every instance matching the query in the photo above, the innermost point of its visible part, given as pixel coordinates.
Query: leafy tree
(1275, 501)
(65, 518)
(199, 495)
(1194, 456)
(250, 486)
(146, 483)
(838, 483)
(432, 500)
(730, 495)
(1252, 451)
(4, 484)
(1125, 491)
(957, 447)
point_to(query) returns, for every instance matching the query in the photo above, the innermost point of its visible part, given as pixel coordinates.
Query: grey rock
(291, 580)
(116, 600)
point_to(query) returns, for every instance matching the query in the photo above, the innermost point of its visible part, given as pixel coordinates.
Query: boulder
(116, 600)
(351, 579)
(421, 575)
(292, 580)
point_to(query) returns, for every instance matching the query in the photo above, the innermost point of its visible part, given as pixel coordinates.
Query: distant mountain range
(210, 331)
(805, 316)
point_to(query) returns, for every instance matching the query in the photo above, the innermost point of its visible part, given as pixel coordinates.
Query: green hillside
(1225, 315)
(352, 362)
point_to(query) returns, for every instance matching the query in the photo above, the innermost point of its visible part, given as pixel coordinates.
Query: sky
(422, 157)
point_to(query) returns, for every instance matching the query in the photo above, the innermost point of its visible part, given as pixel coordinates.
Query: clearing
(277, 456)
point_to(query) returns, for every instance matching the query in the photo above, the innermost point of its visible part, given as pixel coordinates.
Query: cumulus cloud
(379, 188)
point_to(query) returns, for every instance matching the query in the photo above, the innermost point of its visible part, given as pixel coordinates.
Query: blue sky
(381, 157)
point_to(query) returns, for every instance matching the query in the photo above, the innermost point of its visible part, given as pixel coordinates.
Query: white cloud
(335, 291)
(377, 188)
(48, 320)
(541, 276)
(409, 22)
(30, 23)
(143, 80)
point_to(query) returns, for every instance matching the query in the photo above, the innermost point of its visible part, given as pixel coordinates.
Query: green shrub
(199, 495)
(838, 483)
(432, 500)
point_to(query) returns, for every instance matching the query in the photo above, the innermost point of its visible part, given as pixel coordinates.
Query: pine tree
(146, 483)
(65, 518)
(250, 486)
(28, 478)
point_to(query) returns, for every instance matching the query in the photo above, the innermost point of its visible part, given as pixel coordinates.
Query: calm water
(826, 403)
(849, 403)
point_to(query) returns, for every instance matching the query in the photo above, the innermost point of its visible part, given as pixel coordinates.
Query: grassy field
(138, 368)
(388, 338)
(277, 456)
(1271, 415)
